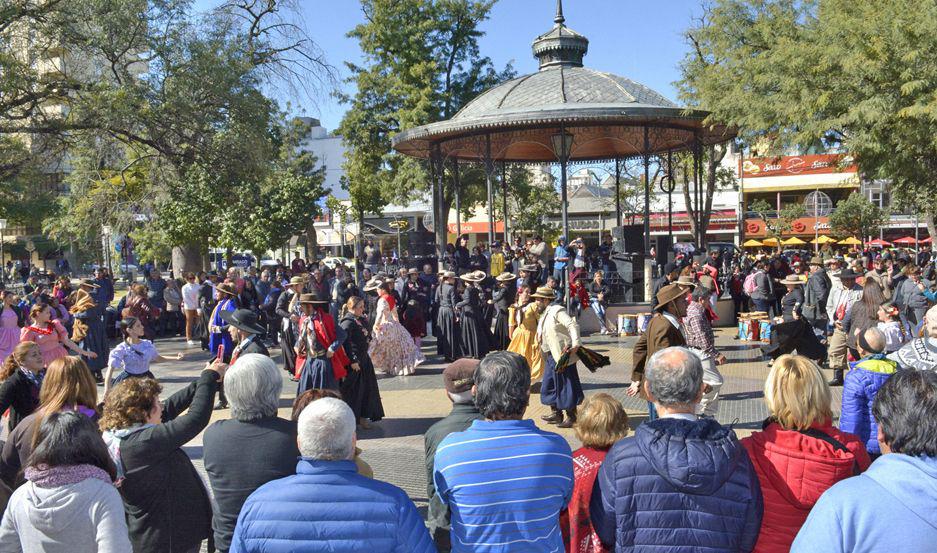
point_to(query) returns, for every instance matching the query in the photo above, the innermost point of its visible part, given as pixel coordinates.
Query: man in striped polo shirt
(504, 479)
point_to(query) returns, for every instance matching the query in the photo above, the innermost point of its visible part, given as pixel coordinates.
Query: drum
(630, 327)
(643, 320)
(621, 324)
(764, 330)
(748, 329)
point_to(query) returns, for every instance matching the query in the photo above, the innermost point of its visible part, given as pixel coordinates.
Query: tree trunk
(690, 207)
(312, 247)
(187, 258)
(931, 226)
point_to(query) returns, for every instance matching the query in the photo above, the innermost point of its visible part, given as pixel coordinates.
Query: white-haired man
(327, 505)
(920, 353)
(687, 475)
(253, 386)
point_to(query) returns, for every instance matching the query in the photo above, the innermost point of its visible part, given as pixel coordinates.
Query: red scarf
(324, 327)
(389, 298)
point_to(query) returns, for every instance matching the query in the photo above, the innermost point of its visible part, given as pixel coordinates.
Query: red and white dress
(392, 349)
(50, 339)
(575, 522)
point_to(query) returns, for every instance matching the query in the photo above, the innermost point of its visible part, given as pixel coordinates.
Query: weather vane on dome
(559, 19)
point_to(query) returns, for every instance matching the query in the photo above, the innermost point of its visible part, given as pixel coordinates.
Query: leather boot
(554, 417)
(570, 419)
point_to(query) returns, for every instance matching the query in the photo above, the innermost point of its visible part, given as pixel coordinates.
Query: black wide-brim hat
(243, 319)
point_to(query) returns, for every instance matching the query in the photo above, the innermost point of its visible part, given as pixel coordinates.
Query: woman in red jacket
(799, 454)
(602, 422)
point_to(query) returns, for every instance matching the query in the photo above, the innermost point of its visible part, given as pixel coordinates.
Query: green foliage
(856, 73)
(857, 216)
(422, 63)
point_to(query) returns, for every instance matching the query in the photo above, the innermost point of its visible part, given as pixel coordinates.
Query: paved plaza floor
(394, 446)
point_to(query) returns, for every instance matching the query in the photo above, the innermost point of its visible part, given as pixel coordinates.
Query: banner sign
(786, 166)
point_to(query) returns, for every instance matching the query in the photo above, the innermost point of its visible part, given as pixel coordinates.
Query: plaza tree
(857, 74)
(777, 222)
(857, 216)
(422, 63)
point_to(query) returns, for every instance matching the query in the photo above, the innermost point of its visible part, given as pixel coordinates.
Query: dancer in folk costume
(524, 317)
(288, 310)
(392, 349)
(50, 336)
(503, 298)
(320, 358)
(475, 334)
(359, 387)
(87, 305)
(219, 338)
(449, 337)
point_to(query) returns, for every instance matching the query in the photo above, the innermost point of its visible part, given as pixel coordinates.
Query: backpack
(748, 285)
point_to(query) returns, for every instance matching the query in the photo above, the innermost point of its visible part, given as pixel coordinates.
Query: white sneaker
(190, 343)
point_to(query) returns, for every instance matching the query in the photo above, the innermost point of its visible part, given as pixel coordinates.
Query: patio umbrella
(927, 240)
(851, 241)
(793, 241)
(907, 240)
(752, 243)
(878, 242)
(770, 241)
(823, 240)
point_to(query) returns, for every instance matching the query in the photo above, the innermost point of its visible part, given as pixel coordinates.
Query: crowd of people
(85, 470)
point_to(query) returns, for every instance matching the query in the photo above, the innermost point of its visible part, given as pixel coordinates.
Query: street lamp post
(562, 147)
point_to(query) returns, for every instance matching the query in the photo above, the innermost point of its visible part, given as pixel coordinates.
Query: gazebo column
(618, 192)
(647, 191)
(489, 175)
(670, 189)
(439, 222)
(457, 191)
(562, 146)
(698, 170)
(504, 205)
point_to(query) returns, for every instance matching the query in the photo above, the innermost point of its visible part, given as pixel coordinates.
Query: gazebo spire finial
(560, 46)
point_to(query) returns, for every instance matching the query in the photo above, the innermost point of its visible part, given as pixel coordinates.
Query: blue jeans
(599, 311)
(762, 305)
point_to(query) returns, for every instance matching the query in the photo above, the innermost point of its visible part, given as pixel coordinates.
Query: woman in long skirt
(319, 347)
(392, 349)
(370, 299)
(475, 334)
(524, 338)
(359, 387)
(502, 298)
(449, 337)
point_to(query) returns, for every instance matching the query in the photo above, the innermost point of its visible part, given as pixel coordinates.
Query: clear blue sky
(638, 39)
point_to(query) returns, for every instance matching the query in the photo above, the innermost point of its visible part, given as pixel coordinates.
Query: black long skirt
(447, 343)
(361, 393)
(287, 346)
(501, 337)
(476, 338)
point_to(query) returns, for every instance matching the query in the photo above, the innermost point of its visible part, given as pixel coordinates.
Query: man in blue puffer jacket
(327, 506)
(680, 484)
(860, 386)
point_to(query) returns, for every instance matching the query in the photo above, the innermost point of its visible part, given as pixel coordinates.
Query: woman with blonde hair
(21, 374)
(602, 422)
(799, 454)
(359, 387)
(67, 386)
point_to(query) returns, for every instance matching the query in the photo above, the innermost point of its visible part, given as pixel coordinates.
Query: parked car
(332, 262)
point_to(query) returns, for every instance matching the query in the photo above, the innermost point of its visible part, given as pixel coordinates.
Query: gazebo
(564, 113)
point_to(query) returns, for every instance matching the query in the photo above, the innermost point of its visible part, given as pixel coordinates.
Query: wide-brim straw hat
(544, 292)
(816, 260)
(686, 281)
(791, 279)
(669, 293)
(313, 299)
(227, 288)
(447, 274)
(89, 282)
(413, 271)
(373, 284)
(529, 268)
(297, 280)
(474, 276)
(506, 276)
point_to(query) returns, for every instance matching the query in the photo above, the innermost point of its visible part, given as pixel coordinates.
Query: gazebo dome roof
(560, 88)
(609, 116)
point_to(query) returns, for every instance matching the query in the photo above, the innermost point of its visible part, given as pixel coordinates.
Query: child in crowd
(891, 327)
